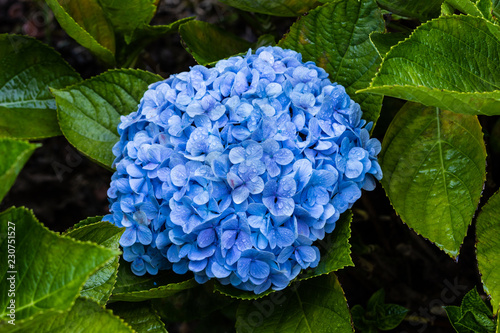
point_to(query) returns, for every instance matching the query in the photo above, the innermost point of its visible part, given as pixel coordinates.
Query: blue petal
(259, 269)
(135, 171)
(179, 175)
(283, 156)
(240, 194)
(198, 266)
(285, 254)
(138, 267)
(255, 186)
(197, 253)
(306, 253)
(228, 239)
(237, 155)
(129, 237)
(128, 254)
(206, 237)
(233, 180)
(144, 235)
(243, 268)
(287, 187)
(272, 168)
(219, 271)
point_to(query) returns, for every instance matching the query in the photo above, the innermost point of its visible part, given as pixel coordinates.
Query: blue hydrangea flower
(233, 172)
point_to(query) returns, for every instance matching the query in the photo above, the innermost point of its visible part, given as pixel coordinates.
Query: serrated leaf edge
(59, 236)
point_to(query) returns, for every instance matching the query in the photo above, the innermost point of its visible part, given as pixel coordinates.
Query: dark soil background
(63, 187)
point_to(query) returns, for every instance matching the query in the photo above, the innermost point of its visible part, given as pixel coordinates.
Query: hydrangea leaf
(433, 66)
(495, 9)
(142, 317)
(85, 22)
(336, 37)
(89, 112)
(228, 290)
(466, 7)
(142, 36)
(132, 288)
(454, 314)
(208, 43)
(480, 8)
(488, 243)
(316, 305)
(85, 316)
(447, 9)
(434, 168)
(290, 8)
(29, 67)
(50, 269)
(127, 16)
(485, 7)
(421, 9)
(14, 155)
(100, 284)
(389, 316)
(473, 315)
(384, 41)
(82, 223)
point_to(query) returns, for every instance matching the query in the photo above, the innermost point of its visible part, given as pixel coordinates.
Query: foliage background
(62, 186)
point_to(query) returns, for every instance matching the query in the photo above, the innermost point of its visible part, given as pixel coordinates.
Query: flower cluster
(233, 172)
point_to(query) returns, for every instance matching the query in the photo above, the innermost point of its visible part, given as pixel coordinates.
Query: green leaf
(132, 288)
(472, 301)
(14, 155)
(336, 37)
(454, 314)
(100, 284)
(472, 316)
(495, 10)
(85, 316)
(208, 43)
(447, 9)
(377, 299)
(142, 36)
(229, 290)
(127, 16)
(50, 269)
(451, 62)
(85, 22)
(87, 221)
(488, 243)
(384, 41)
(434, 169)
(389, 316)
(358, 318)
(477, 322)
(290, 8)
(485, 7)
(29, 67)
(315, 305)
(89, 112)
(466, 7)
(421, 9)
(140, 316)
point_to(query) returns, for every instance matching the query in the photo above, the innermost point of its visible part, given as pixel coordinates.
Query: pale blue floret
(233, 172)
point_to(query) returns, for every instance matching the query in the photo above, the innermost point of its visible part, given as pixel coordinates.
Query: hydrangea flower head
(233, 172)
